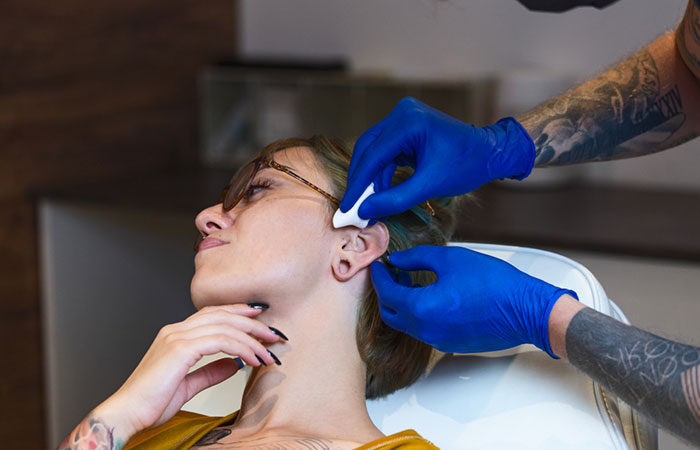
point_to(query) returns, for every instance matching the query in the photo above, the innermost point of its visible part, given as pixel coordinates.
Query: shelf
(605, 219)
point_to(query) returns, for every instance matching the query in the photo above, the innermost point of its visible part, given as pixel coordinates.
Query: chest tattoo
(214, 440)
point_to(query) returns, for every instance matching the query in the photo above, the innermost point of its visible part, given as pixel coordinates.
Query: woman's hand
(161, 384)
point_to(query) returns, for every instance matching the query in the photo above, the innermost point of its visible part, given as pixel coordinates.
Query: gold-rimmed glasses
(236, 189)
(240, 183)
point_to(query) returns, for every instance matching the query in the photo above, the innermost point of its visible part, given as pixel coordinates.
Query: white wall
(460, 38)
(453, 38)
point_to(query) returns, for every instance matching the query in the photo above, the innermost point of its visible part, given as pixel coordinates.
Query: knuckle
(179, 346)
(244, 324)
(415, 113)
(408, 103)
(422, 310)
(209, 309)
(221, 339)
(166, 331)
(250, 326)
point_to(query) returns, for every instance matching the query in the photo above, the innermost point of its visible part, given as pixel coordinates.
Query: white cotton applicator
(341, 219)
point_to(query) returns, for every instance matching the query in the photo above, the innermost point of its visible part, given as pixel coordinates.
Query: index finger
(353, 191)
(362, 143)
(380, 153)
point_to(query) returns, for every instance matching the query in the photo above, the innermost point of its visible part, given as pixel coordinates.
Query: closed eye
(255, 188)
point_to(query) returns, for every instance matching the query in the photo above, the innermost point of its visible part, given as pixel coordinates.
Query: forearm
(658, 377)
(647, 103)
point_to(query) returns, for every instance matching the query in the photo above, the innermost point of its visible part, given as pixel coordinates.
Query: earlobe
(358, 249)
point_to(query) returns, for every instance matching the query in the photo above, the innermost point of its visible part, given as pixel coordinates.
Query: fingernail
(277, 360)
(239, 362)
(278, 333)
(261, 361)
(257, 305)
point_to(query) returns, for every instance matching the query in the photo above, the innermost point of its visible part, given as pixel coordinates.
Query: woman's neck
(319, 389)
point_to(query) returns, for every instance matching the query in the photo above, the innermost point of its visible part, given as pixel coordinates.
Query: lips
(211, 242)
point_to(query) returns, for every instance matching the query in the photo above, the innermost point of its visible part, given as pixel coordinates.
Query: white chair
(513, 399)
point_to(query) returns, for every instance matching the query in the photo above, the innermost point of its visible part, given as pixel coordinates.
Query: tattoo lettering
(689, 37)
(622, 113)
(92, 434)
(657, 376)
(272, 443)
(690, 380)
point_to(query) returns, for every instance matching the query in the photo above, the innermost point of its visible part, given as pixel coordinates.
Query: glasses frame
(265, 161)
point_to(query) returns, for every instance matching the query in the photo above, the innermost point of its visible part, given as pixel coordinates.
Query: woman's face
(275, 243)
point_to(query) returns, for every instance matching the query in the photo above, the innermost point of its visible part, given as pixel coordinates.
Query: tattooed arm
(658, 377)
(648, 103)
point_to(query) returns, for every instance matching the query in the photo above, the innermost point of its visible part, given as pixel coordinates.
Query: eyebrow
(273, 171)
(282, 165)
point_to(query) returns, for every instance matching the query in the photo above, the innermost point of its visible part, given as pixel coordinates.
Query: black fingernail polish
(261, 360)
(278, 333)
(277, 360)
(239, 363)
(257, 305)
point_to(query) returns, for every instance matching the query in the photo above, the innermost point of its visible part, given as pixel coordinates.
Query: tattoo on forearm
(620, 114)
(92, 434)
(657, 376)
(266, 443)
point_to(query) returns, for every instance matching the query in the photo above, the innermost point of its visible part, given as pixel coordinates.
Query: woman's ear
(358, 249)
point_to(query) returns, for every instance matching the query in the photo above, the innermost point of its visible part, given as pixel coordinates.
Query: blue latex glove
(478, 303)
(449, 157)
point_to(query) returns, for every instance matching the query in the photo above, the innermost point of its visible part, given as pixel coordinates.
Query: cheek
(290, 243)
(273, 251)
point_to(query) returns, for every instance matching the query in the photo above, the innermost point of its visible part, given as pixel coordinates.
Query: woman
(278, 287)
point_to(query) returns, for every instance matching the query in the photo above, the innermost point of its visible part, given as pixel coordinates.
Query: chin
(214, 291)
(198, 292)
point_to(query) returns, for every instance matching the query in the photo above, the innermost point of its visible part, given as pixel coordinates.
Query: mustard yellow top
(186, 429)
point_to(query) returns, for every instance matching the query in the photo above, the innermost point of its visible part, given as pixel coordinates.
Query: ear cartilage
(341, 219)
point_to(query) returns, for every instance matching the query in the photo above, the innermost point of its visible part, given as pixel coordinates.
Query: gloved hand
(478, 303)
(449, 157)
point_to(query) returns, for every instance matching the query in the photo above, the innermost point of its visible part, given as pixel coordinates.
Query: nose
(213, 219)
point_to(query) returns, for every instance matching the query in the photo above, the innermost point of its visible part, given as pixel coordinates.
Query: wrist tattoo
(92, 434)
(657, 376)
(620, 114)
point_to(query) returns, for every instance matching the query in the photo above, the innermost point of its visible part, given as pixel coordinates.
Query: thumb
(210, 375)
(391, 292)
(393, 297)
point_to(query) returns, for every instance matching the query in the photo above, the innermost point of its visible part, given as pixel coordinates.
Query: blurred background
(119, 121)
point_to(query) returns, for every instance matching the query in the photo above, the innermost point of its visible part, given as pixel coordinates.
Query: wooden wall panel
(88, 91)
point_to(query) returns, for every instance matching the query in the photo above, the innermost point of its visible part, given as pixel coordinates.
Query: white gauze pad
(341, 219)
